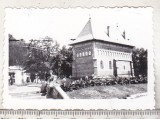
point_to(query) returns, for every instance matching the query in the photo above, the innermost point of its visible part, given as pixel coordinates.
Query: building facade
(99, 57)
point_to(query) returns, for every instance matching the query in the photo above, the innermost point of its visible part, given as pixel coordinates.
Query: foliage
(140, 61)
(70, 84)
(62, 62)
(39, 55)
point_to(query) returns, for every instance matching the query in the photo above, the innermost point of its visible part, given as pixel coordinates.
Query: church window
(101, 64)
(86, 53)
(83, 54)
(110, 65)
(77, 54)
(89, 52)
(80, 54)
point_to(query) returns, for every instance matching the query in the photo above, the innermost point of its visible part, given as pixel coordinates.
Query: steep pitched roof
(93, 30)
(86, 32)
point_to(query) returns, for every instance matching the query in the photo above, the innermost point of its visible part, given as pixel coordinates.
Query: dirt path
(26, 92)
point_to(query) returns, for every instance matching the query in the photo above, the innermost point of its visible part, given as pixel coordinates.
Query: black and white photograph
(79, 54)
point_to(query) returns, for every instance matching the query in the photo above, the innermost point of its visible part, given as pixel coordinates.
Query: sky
(65, 24)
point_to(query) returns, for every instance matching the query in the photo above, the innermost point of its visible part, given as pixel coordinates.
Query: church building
(101, 52)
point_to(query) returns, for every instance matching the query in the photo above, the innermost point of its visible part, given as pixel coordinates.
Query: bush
(75, 84)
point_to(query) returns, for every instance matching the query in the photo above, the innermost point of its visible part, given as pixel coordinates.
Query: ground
(108, 92)
(31, 91)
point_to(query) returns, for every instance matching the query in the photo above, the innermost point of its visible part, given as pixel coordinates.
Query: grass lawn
(108, 92)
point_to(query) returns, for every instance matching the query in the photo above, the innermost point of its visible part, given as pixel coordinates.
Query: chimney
(108, 30)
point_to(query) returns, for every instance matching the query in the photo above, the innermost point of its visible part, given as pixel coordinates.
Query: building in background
(102, 52)
(20, 77)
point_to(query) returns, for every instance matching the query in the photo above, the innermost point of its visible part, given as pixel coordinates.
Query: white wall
(107, 55)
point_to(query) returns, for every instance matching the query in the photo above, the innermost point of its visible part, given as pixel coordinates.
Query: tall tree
(140, 61)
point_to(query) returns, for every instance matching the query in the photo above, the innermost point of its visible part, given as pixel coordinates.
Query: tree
(67, 61)
(62, 63)
(39, 56)
(140, 61)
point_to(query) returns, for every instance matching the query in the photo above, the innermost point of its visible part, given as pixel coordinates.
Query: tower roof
(86, 33)
(94, 30)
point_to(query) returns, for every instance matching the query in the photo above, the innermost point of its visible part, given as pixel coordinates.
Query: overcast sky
(65, 24)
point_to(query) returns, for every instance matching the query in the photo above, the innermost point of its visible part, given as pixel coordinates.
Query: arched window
(80, 54)
(86, 53)
(77, 54)
(89, 52)
(101, 64)
(83, 54)
(110, 65)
